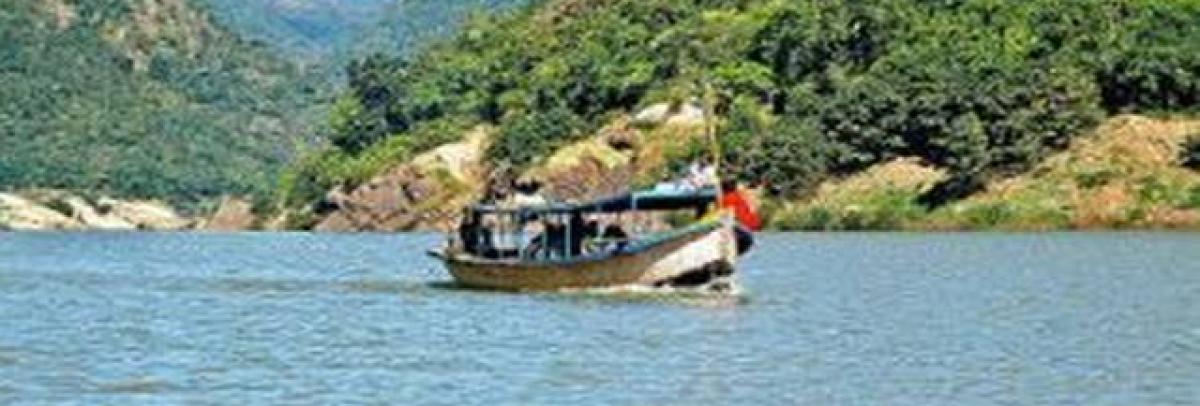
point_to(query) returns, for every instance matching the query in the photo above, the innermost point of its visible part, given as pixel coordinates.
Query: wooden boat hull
(682, 258)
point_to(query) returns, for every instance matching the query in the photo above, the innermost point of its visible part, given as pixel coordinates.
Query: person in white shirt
(526, 193)
(701, 174)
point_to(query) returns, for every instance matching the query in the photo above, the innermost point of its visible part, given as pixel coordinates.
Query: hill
(1131, 172)
(805, 92)
(327, 34)
(306, 29)
(141, 98)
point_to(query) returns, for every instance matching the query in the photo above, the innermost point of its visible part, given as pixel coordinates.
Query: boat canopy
(647, 200)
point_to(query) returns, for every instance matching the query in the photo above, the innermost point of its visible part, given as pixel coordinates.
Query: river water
(896, 319)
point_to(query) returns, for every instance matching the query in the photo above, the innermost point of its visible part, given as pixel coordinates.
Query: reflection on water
(819, 319)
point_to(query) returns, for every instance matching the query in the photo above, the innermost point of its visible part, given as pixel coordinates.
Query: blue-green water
(897, 319)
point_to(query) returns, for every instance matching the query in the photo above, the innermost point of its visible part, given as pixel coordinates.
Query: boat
(494, 249)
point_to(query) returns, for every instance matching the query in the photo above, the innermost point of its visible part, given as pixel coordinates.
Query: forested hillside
(806, 90)
(313, 29)
(327, 34)
(145, 98)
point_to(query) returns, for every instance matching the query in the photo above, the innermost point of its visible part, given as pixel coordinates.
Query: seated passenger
(615, 237)
(475, 238)
(702, 174)
(528, 194)
(579, 230)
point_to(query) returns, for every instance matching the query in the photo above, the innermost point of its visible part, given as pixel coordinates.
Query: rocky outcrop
(233, 214)
(620, 157)
(92, 218)
(585, 170)
(21, 214)
(145, 214)
(48, 210)
(627, 152)
(430, 191)
(686, 114)
(426, 193)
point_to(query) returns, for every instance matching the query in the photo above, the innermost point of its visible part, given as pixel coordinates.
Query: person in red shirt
(734, 199)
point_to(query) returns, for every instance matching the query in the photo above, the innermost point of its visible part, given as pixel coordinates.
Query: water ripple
(823, 319)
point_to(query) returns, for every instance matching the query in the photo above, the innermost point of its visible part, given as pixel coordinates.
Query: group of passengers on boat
(526, 225)
(565, 234)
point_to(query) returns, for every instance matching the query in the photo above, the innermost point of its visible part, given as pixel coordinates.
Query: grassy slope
(1129, 173)
(1126, 174)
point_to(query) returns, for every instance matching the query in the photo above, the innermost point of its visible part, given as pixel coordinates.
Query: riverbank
(57, 210)
(1132, 172)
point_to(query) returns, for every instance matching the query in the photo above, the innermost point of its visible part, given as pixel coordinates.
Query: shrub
(1190, 156)
(880, 210)
(60, 206)
(1091, 179)
(525, 137)
(816, 218)
(1193, 198)
(988, 215)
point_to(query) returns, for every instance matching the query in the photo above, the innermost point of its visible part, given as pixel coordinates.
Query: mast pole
(711, 133)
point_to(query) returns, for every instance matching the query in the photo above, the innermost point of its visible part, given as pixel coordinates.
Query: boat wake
(718, 291)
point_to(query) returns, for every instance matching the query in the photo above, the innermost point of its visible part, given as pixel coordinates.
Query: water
(897, 319)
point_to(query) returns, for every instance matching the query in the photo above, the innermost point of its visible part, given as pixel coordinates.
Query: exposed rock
(686, 114)
(430, 191)
(47, 209)
(594, 168)
(689, 114)
(655, 114)
(283, 221)
(461, 160)
(426, 193)
(585, 170)
(145, 214)
(21, 214)
(92, 219)
(233, 214)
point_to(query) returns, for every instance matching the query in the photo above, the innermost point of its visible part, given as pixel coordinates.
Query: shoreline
(1131, 173)
(52, 210)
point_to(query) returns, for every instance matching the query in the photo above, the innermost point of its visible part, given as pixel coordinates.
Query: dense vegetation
(325, 35)
(806, 89)
(142, 99)
(1191, 153)
(314, 28)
